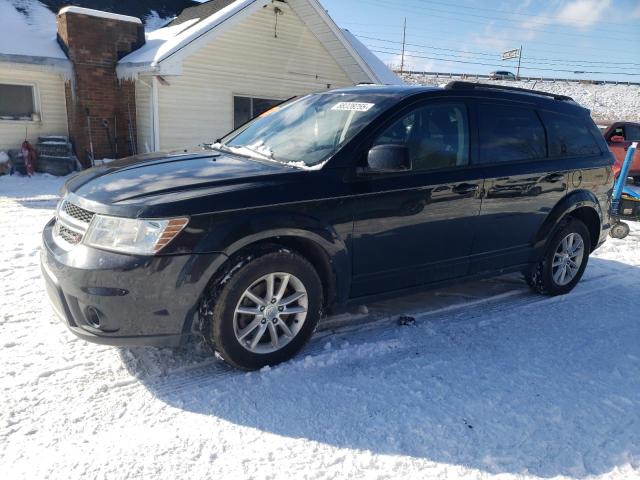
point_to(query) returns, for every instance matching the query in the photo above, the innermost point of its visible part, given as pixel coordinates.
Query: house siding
(144, 118)
(197, 106)
(323, 32)
(52, 108)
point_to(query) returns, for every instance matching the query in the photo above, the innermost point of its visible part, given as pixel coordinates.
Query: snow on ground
(491, 381)
(606, 102)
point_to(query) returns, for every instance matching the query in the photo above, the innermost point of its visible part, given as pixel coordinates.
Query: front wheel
(265, 312)
(564, 260)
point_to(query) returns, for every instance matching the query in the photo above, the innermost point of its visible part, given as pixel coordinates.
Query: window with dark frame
(510, 134)
(247, 108)
(16, 102)
(437, 136)
(568, 136)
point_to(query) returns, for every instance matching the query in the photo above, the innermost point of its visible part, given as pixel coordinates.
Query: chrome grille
(77, 213)
(71, 224)
(69, 236)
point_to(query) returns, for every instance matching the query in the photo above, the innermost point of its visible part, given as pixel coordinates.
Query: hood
(134, 179)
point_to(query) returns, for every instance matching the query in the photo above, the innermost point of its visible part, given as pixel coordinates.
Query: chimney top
(99, 13)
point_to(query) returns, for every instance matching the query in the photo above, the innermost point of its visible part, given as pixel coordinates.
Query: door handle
(465, 188)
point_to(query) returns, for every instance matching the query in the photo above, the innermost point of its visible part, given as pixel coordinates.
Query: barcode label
(353, 106)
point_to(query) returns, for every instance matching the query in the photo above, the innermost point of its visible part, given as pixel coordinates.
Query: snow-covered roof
(29, 38)
(165, 42)
(383, 73)
(99, 13)
(165, 45)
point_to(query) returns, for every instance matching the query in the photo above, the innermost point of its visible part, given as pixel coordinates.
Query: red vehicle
(619, 137)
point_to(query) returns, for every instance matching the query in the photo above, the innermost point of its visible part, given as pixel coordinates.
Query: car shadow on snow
(522, 384)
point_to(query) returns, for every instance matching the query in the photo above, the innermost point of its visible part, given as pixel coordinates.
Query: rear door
(522, 184)
(417, 227)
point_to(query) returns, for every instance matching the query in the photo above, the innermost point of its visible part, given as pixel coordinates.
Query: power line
(500, 66)
(580, 63)
(557, 47)
(612, 70)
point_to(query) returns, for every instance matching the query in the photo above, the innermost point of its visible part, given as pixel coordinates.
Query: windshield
(306, 132)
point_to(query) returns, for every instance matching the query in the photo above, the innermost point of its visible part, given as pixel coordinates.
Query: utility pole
(404, 38)
(519, 60)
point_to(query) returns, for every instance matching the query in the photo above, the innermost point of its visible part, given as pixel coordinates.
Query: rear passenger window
(569, 136)
(510, 134)
(437, 136)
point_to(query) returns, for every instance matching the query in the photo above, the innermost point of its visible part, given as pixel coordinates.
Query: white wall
(197, 106)
(50, 100)
(144, 115)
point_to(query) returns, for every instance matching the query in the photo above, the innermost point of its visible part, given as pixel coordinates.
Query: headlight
(128, 235)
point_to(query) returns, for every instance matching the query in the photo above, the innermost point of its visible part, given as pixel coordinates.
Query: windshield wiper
(244, 151)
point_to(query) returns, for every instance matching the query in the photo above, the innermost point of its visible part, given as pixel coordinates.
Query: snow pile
(32, 33)
(90, 12)
(607, 102)
(490, 382)
(154, 21)
(167, 41)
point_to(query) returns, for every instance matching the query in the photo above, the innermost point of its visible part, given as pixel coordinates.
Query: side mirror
(617, 139)
(389, 158)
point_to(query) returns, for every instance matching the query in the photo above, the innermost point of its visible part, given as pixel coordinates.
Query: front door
(417, 227)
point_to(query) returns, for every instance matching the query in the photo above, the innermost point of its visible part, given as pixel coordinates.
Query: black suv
(328, 200)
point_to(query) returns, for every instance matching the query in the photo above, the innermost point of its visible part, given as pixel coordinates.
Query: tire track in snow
(380, 336)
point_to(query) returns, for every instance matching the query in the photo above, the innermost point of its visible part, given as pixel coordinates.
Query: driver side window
(437, 136)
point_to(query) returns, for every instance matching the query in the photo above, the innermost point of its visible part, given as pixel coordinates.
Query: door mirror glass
(389, 158)
(617, 139)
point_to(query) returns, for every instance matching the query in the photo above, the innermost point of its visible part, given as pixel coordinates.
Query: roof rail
(459, 85)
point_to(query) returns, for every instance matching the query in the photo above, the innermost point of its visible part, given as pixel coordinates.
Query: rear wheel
(266, 311)
(564, 261)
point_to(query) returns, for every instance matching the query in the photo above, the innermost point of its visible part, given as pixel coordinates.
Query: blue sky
(559, 37)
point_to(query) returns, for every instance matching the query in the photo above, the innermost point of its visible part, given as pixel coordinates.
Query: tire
(620, 230)
(636, 181)
(224, 326)
(546, 278)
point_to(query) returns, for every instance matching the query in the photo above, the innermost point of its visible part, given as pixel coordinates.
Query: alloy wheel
(270, 313)
(567, 259)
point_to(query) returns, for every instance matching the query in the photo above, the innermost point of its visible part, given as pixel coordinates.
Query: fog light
(92, 316)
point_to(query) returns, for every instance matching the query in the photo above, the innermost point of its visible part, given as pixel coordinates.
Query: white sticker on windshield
(353, 106)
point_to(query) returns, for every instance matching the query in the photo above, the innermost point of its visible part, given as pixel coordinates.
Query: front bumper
(125, 300)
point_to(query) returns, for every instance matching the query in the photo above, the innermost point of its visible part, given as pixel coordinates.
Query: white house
(213, 67)
(33, 72)
(199, 77)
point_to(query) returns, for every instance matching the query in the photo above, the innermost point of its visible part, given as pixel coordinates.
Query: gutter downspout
(155, 113)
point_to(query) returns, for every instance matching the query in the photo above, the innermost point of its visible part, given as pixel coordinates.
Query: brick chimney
(101, 109)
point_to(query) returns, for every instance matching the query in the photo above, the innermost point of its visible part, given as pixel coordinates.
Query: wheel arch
(580, 204)
(326, 253)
